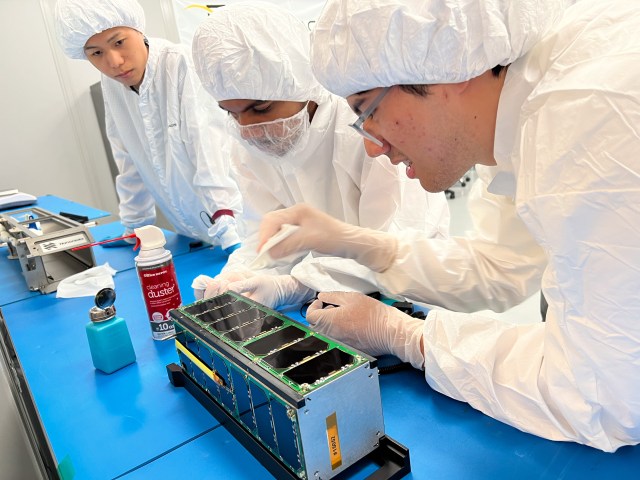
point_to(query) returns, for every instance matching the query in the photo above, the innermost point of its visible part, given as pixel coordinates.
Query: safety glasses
(357, 125)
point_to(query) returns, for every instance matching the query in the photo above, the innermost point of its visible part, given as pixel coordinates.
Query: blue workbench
(105, 425)
(446, 440)
(120, 258)
(134, 424)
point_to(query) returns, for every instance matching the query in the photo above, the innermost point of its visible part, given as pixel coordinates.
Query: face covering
(281, 138)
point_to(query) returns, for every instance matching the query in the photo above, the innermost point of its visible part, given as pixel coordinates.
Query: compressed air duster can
(158, 281)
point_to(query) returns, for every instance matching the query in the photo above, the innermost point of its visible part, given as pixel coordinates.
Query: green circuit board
(283, 347)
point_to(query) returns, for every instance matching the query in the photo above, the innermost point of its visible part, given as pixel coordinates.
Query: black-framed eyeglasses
(357, 125)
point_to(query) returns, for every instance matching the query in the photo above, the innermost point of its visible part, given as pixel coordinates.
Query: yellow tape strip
(212, 374)
(333, 438)
(204, 7)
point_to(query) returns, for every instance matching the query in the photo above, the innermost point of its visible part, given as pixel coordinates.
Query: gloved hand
(207, 287)
(368, 325)
(125, 242)
(224, 232)
(273, 290)
(324, 234)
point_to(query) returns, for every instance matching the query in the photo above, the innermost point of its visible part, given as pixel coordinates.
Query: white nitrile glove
(224, 232)
(324, 234)
(273, 290)
(199, 285)
(207, 287)
(368, 325)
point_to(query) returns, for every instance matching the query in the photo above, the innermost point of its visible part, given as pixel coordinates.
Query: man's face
(271, 126)
(430, 134)
(250, 112)
(119, 53)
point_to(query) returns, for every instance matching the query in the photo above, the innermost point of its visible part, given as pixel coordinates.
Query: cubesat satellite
(305, 405)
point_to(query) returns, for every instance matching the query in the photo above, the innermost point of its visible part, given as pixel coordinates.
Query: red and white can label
(161, 294)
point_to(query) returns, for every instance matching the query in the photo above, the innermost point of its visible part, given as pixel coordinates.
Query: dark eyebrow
(109, 40)
(357, 104)
(250, 106)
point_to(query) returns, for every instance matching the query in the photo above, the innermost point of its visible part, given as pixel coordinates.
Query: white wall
(50, 136)
(50, 143)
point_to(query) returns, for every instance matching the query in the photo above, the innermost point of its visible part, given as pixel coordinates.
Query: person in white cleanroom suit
(164, 130)
(558, 123)
(294, 145)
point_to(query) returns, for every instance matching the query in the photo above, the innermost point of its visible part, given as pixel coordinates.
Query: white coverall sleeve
(496, 266)
(257, 201)
(137, 206)
(574, 377)
(204, 136)
(382, 199)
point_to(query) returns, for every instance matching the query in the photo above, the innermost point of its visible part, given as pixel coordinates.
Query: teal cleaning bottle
(108, 335)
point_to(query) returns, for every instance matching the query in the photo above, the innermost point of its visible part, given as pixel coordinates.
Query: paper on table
(87, 283)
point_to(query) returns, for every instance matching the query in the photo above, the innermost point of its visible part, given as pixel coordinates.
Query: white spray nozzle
(149, 237)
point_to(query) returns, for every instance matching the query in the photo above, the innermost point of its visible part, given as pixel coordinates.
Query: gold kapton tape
(333, 438)
(212, 374)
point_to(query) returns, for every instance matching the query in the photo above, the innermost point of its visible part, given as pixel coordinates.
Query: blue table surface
(134, 424)
(121, 258)
(105, 424)
(446, 440)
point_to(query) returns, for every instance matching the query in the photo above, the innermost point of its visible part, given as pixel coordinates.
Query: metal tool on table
(43, 241)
